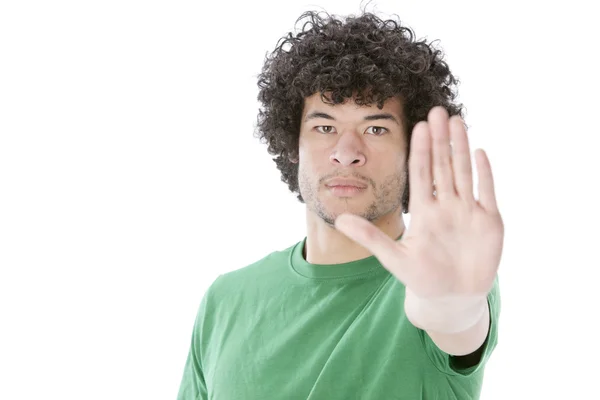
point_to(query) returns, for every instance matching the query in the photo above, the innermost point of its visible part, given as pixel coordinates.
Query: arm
(450, 254)
(193, 385)
(458, 326)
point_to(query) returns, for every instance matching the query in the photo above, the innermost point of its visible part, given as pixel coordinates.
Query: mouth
(346, 190)
(345, 182)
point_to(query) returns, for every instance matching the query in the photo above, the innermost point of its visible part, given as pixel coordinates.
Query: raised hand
(453, 246)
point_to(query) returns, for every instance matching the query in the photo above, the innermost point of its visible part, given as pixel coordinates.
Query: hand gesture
(453, 245)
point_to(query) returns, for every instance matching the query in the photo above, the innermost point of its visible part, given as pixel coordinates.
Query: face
(352, 159)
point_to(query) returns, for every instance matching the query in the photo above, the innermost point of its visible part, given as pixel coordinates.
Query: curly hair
(363, 56)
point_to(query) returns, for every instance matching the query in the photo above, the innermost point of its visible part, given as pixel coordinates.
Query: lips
(347, 183)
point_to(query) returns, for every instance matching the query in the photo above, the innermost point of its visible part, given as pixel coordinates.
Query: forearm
(458, 326)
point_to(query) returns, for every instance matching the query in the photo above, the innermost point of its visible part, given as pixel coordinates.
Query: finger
(461, 160)
(441, 156)
(487, 195)
(419, 167)
(373, 239)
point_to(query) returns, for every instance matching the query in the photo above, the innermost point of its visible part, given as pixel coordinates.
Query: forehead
(393, 105)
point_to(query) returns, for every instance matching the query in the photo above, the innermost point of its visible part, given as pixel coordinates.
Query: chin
(334, 210)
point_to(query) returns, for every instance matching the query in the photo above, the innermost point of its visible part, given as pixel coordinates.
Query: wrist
(448, 314)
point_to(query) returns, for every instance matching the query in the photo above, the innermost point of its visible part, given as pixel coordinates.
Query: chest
(326, 348)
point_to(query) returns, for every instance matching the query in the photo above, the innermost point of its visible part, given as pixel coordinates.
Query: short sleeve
(193, 385)
(443, 361)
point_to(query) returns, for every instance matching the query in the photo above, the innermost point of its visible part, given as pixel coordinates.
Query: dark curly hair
(364, 56)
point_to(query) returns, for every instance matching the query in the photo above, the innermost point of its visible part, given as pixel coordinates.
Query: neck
(326, 245)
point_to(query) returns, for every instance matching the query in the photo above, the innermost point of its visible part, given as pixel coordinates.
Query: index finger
(419, 167)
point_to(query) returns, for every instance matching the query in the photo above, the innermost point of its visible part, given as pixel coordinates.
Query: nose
(347, 152)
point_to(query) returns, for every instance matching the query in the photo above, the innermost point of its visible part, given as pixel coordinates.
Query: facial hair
(387, 196)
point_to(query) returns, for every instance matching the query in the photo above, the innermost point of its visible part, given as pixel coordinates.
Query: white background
(130, 178)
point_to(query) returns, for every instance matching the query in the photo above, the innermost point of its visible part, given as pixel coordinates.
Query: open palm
(454, 243)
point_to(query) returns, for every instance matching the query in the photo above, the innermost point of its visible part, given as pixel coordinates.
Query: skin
(449, 257)
(349, 146)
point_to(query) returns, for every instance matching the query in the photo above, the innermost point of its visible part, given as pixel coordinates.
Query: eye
(324, 128)
(379, 130)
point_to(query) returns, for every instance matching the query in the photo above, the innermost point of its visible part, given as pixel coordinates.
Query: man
(362, 307)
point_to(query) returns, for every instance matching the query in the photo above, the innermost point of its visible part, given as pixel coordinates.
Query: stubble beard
(387, 199)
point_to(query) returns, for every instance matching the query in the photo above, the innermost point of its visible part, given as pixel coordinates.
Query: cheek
(386, 166)
(310, 162)
(307, 172)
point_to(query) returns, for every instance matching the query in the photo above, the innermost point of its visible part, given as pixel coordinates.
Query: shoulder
(264, 269)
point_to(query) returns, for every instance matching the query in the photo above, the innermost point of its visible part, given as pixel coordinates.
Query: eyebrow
(373, 117)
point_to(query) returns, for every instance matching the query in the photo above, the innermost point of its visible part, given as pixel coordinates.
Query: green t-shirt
(282, 328)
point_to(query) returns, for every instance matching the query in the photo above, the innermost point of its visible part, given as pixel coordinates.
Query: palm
(450, 249)
(454, 242)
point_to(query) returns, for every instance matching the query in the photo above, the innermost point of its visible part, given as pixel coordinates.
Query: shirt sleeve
(193, 385)
(443, 361)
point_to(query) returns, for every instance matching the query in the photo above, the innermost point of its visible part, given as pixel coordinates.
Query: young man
(362, 307)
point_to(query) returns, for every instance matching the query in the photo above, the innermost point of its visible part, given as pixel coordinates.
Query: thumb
(363, 232)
